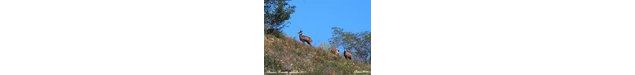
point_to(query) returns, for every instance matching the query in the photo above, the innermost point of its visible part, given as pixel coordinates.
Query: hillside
(284, 53)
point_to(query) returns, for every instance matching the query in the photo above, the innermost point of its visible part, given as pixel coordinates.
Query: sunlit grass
(284, 53)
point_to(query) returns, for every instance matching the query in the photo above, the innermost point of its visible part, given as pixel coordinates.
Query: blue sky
(316, 17)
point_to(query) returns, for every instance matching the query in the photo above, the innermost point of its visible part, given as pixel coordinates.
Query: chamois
(347, 54)
(304, 38)
(334, 51)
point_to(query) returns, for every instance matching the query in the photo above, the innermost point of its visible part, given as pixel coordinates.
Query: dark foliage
(277, 12)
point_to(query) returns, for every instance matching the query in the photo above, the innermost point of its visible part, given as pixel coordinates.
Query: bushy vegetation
(281, 52)
(358, 42)
(277, 12)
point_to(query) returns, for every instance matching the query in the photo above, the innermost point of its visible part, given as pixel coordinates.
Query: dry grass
(281, 52)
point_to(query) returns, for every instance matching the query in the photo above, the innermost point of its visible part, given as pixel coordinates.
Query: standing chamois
(347, 54)
(304, 38)
(334, 51)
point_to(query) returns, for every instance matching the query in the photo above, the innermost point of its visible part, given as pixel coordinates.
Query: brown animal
(334, 51)
(304, 38)
(347, 54)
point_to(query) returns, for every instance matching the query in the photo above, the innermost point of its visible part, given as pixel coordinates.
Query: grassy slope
(281, 52)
